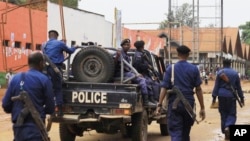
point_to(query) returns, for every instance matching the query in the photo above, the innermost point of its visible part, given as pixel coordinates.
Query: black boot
(146, 102)
(152, 99)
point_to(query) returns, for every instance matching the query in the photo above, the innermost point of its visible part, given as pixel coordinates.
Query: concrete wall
(80, 26)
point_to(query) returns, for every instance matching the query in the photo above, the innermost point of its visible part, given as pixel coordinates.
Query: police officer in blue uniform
(125, 44)
(142, 65)
(227, 102)
(39, 88)
(54, 50)
(186, 78)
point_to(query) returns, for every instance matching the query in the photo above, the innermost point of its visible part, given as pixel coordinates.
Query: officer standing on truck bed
(125, 44)
(39, 88)
(54, 50)
(142, 65)
(186, 77)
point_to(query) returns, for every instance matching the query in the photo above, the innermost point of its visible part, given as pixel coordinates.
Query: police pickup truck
(95, 100)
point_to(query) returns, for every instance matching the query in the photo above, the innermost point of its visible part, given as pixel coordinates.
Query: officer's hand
(140, 75)
(242, 101)
(118, 53)
(158, 111)
(202, 114)
(150, 67)
(64, 40)
(214, 99)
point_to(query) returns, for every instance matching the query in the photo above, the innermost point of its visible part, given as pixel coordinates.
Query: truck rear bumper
(73, 119)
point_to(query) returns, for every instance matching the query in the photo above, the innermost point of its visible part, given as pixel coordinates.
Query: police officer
(227, 102)
(142, 65)
(39, 88)
(125, 44)
(54, 50)
(186, 78)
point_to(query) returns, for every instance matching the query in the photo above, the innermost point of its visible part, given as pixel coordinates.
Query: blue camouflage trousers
(56, 80)
(137, 80)
(227, 110)
(27, 132)
(179, 122)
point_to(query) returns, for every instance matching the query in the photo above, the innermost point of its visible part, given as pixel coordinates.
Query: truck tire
(65, 134)
(128, 132)
(140, 126)
(93, 64)
(164, 129)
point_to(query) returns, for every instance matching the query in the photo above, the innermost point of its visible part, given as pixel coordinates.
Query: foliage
(68, 3)
(183, 15)
(248, 72)
(2, 78)
(245, 34)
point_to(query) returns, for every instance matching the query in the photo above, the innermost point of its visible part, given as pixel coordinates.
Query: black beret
(227, 61)
(125, 41)
(54, 32)
(183, 49)
(139, 44)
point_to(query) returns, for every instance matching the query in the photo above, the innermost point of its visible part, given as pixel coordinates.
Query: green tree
(245, 34)
(68, 3)
(183, 15)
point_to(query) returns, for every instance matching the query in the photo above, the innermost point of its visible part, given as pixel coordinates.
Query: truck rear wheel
(93, 64)
(164, 129)
(127, 133)
(140, 126)
(65, 134)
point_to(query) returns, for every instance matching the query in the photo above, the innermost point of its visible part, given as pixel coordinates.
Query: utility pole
(221, 49)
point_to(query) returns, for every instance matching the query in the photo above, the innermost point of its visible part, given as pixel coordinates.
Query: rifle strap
(172, 75)
(22, 81)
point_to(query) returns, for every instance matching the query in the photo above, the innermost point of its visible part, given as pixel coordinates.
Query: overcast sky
(149, 11)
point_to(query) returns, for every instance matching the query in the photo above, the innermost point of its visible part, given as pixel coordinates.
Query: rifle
(151, 71)
(53, 66)
(29, 108)
(224, 77)
(180, 97)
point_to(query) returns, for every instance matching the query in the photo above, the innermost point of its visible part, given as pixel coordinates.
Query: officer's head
(183, 51)
(226, 63)
(139, 45)
(125, 44)
(53, 34)
(36, 60)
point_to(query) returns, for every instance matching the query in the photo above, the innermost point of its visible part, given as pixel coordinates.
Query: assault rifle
(224, 77)
(53, 66)
(180, 97)
(30, 109)
(151, 71)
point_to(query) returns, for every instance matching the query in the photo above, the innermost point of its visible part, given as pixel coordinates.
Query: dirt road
(207, 130)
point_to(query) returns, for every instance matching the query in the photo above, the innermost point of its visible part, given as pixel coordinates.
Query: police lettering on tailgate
(89, 97)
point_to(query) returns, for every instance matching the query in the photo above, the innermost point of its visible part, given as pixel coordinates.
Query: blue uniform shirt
(222, 89)
(125, 57)
(39, 88)
(54, 49)
(140, 63)
(186, 78)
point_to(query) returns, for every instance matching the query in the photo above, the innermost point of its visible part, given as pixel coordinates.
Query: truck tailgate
(80, 97)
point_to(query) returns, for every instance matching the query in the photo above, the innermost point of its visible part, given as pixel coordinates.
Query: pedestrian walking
(185, 76)
(226, 98)
(8, 77)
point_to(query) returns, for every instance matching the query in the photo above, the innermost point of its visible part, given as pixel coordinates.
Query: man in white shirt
(9, 76)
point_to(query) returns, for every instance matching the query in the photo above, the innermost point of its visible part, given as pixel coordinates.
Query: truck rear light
(121, 111)
(67, 109)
